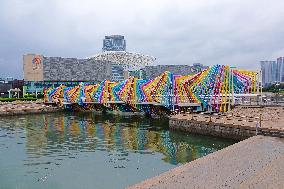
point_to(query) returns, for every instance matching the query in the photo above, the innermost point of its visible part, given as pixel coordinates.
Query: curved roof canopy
(129, 60)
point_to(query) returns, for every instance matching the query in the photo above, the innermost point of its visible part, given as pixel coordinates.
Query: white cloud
(176, 32)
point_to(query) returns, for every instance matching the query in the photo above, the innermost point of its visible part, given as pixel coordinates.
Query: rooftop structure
(114, 43)
(114, 50)
(128, 60)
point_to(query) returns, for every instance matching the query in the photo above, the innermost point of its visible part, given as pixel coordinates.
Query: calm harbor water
(68, 150)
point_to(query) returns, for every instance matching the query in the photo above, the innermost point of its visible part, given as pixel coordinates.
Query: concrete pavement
(257, 162)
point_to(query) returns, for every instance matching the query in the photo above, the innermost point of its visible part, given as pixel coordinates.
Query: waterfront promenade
(25, 107)
(240, 123)
(256, 163)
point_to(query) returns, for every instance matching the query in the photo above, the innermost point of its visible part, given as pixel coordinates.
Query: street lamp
(277, 91)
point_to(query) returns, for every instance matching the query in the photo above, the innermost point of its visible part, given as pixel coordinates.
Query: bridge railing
(163, 99)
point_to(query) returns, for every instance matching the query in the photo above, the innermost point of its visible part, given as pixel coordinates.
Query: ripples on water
(66, 150)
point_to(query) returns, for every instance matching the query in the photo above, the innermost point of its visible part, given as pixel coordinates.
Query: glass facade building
(38, 86)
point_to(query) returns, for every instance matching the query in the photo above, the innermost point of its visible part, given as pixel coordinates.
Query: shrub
(29, 95)
(39, 96)
(14, 99)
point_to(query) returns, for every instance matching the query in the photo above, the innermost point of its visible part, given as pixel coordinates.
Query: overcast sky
(234, 32)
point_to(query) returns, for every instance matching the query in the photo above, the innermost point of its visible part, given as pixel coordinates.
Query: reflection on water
(68, 150)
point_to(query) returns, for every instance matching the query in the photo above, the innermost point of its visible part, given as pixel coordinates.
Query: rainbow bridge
(216, 89)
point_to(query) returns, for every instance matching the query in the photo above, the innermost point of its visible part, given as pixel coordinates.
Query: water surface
(68, 150)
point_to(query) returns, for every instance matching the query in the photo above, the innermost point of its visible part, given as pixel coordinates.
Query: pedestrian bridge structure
(216, 88)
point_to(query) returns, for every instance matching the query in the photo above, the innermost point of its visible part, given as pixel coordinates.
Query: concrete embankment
(256, 162)
(21, 108)
(240, 123)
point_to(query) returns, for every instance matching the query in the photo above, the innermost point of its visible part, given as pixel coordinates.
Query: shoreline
(254, 162)
(38, 107)
(24, 108)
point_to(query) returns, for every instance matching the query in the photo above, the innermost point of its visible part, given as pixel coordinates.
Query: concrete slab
(257, 162)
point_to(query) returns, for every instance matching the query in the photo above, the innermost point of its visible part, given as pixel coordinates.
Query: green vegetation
(39, 96)
(275, 88)
(27, 97)
(14, 99)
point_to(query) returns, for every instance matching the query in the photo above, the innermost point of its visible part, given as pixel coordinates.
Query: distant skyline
(234, 32)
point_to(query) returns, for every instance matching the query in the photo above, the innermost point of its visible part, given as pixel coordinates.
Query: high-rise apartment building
(280, 64)
(272, 71)
(269, 69)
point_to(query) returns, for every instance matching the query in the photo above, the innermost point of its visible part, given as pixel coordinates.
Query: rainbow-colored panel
(210, 88)
(54, 95)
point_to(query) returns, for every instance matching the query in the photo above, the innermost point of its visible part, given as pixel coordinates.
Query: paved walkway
(271, 117)
(257, 162)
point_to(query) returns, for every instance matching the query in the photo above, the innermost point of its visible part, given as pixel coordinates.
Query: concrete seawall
(240, 123)
(232, 131)
(21, 108)
(256, 163)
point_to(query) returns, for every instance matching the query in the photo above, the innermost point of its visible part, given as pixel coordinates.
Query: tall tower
(114, 43)
(280, 66)
(270, 72)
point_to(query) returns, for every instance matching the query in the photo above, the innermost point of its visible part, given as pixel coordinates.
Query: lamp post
(229, 102)
(9, 91)
(259, 85)
(277, 91)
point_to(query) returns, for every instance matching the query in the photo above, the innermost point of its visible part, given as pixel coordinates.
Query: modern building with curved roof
(128, 60)
(113, 63)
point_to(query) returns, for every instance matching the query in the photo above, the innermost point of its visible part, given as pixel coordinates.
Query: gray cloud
(231, 32)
